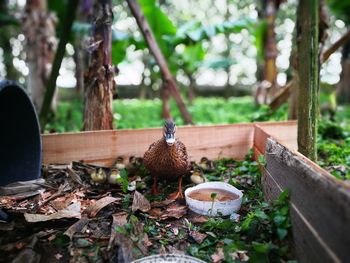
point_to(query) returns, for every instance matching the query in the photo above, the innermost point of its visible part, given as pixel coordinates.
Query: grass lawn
(135, 113)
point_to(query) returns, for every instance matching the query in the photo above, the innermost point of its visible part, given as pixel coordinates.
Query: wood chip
(98, 205)
(140, 203)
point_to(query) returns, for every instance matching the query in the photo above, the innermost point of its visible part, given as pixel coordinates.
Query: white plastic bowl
(219, 207)
(168, 258)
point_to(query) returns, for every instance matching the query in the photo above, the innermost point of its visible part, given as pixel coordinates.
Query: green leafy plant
(124, 180)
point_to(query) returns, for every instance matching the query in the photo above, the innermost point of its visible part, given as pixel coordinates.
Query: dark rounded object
(20, 141)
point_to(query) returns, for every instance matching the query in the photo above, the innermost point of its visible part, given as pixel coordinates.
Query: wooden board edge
(277, 123)
(209, 141)
(311, 165)
(141, 130)
(260, 138)
(306, 243)
(322, 171)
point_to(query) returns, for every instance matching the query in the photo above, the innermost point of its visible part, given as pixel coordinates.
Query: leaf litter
(77, 213)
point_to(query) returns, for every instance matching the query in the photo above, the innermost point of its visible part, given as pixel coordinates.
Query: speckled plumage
(167, 162)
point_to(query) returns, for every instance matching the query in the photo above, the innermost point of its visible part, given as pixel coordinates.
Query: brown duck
(167, 159)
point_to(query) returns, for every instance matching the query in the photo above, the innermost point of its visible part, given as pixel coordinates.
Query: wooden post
(169, 81)
(308, 72)
(99, 79)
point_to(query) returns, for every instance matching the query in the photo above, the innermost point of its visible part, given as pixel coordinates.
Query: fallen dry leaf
(98, 205)
(119, 219)
(160, 204)
(124, 244)
(197, 236)
(240, 255)
(175, 230)
(27, 255)
(72, 211)
(140, 203)
(76, 227)
(62, 202)
(74, 176)
(218, 255)
(174, 210)
(139, 237)
(197, 219)
(155, 212)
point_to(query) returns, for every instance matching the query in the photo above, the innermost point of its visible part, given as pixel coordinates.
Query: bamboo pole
(308, 72)
(169, 81)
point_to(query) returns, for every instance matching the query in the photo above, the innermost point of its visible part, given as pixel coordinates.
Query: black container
(20, 141)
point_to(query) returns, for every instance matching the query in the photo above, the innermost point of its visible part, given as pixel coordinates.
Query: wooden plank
(256, 155)
(103, 147)
(323, 202)
(260, 138)
(284, 132)
(305, 243)
(322, 171)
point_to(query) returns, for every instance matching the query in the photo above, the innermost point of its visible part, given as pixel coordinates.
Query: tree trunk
(168, 80)
(308, 73)
(39, 29)
(270, 48)
(226, 53)
(165, 106)
(344, 83)
(80, 66)
(293, 101)
(191, 91)
(99, 83)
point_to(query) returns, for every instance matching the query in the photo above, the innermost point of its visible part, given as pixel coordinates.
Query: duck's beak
(170, 138)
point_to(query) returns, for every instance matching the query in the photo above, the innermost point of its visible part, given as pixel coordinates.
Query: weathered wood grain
(323, 203)
(103, 147)
(308, 246)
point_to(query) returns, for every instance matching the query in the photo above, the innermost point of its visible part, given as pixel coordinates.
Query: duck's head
(169, 130)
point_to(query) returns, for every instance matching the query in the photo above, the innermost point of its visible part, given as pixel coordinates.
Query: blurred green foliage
(340, 9)
(135, 113)
(334, 144)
